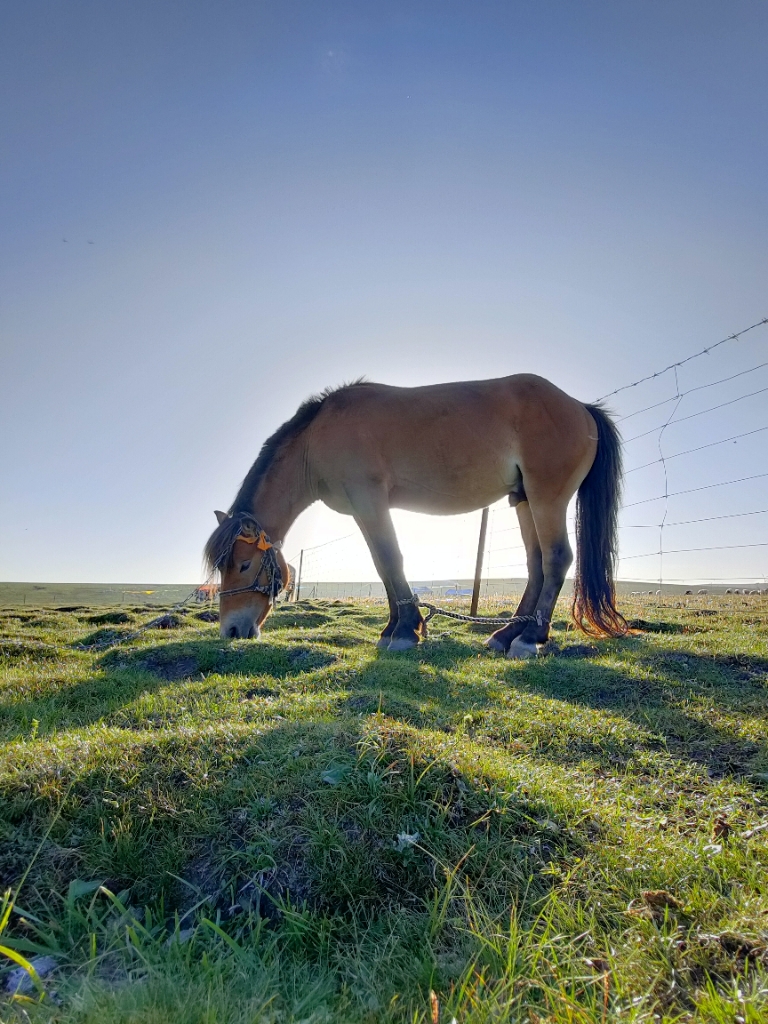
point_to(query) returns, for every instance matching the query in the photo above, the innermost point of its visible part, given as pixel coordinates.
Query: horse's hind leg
(556, 558)
(503, 637)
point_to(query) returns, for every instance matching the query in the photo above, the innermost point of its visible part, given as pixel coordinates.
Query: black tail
(597, 509)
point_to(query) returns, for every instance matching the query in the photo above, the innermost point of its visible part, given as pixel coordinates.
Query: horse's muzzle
(240, 626)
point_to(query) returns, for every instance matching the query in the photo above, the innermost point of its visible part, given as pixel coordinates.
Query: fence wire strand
(682, 362)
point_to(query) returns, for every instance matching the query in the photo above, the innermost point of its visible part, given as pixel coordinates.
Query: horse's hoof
(495, 645)
(383, 643)
(521, 649)
(402, 644)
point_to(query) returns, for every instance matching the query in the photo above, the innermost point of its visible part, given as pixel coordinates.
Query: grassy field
(308, 829)
(96, 595)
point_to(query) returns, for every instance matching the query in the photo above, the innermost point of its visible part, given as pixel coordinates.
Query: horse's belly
(449, 485)
(443, 503)
(436, 476)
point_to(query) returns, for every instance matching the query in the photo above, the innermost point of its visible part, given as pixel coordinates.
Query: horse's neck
(282, 494)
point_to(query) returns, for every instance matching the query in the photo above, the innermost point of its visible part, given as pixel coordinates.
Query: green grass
(308, 829)
(147, 595)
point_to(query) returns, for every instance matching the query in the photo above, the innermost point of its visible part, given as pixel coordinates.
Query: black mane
(219, 546)
(272, 446)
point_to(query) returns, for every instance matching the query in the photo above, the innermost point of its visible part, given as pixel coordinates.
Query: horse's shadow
(123, 677)
(668, 702)
(304, 813)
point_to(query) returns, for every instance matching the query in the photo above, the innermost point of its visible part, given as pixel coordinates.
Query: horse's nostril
(233, 632)
(251, 633)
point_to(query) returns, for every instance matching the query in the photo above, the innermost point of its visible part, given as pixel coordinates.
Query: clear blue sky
(259, 199)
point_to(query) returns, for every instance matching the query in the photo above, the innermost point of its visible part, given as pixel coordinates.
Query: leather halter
(269, 564)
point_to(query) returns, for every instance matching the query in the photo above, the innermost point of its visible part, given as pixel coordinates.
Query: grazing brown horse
(444, 449)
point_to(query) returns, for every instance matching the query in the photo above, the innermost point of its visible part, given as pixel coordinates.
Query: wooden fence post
(479, 562)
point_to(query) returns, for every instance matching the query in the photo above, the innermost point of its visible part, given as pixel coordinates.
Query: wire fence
(713, 530)
(695, 504)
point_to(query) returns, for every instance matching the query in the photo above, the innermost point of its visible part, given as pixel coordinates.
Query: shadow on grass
(344, 820)
(189, 658)
(224, 802)
(123, 676)
(661, 626)
(685, 701)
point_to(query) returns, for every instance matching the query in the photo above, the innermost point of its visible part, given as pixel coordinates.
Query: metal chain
(487, 620)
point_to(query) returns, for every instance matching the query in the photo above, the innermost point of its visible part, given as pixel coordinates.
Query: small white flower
(406, 839)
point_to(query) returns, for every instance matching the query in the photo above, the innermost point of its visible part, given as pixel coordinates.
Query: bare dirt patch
(183, 667)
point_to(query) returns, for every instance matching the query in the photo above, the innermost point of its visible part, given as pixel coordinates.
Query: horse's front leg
(386, 633)
(406, 623)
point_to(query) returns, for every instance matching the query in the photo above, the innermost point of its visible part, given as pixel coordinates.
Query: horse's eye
(245, 565)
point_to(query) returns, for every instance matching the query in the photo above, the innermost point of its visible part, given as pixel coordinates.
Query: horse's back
(455, 446)
(516, 388)
(513, 408)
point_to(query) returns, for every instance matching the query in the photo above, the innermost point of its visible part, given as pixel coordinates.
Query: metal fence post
(298, 576)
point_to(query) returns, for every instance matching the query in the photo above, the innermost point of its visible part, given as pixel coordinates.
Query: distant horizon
(146, 589)
(444, 581)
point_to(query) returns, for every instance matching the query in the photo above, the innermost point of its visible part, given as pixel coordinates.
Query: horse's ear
(221, 516)
(247, 530)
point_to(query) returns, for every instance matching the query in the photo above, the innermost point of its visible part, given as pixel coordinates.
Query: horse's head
(253, 573)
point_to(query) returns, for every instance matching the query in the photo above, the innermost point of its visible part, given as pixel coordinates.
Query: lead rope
(486, 620)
